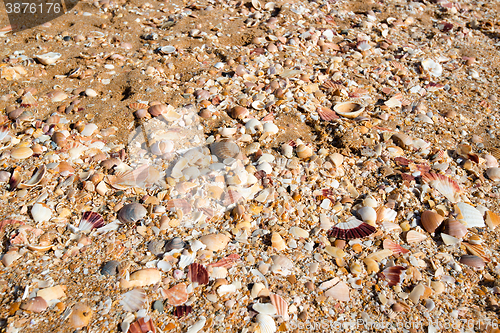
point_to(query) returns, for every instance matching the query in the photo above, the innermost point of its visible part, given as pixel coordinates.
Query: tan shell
(278, 242)
(177, 295)
(21, 153)
(157, 109)
(143, 277)
(349, 109)
(402, 140)
(339, 292)
(431, 220)
(59, 138)
(239, 112)
(493, 174)
(51, 293)
(371, 266)
(35, 179)
(415, 237)
(225, 149)
(80, 316)
(215, 242)
(36, 304)
(304, 151)
(454, 228)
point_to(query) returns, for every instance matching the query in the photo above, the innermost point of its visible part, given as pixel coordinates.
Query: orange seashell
(177, 295)
(157, 109)
(142, 325)
(492, 220)
(395, 248)
(138, 106)
(80, 316)
(281, 306)
(339, 292)
(228, 261)
(477, 250)
(327, 114)
(431, 220)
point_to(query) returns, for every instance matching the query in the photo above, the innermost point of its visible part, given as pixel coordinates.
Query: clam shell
(349, 109)
(281, 306)
(143, 277)
(225, 149)
(36, 304)
(472, 261)
(395, 248)
(449, 240)
(142, 325)
(492, 220)
(48, 58)
(91, 220)
(177, 295)
(57, 96)
(41, 212)
(133, 300)
(265, 322)
(368, 215)
(196, 327)
(131, 213)
(413, 236)
(174, 244)
(80, 316)
(215, 242)
(21, 153)
(493, 174)
(239, 112)
(157, 109)
(35, 179)
(431, 220)
(264, 308)
(110, 268)
(454, 228)
(470, 215)
(339, 292)
(277, 242)
(167, 49)
(198, 273)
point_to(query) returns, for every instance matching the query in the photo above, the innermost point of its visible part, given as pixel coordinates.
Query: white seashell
(433, 67)
(416, 293)
(339, 292)
(162, 147)
(218, 273)
(133, 300)
(449, 240)
(196, 327)
(256, 289)
(470, 215)
(349, 109)
(299, 232)
(264, 308)
(270, 128)
(41, 212)
(325, 222)
(89, 129)
(258, 105)
(287, 150)
(265, 167)
(227, 131)
(493, 173)
(265, 323)
(265, 158)
(48, 58)
(253, 126)
(415, 237)
(226, 289)
(491, 161)
(368, 214)
(167, 49)
(370, 202)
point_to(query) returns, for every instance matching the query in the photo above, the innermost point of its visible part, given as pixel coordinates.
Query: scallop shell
(368, 215)
(198, 273)
(142, 325)
(80, 316)
(137, 106)
(143, 277)
(444, 185)
(179, 204)
(177, 295)
(492, 220)
(349, 109)
(133, 300)
(327, 114)
(281, 306)
(277, 242)
(339, 292)
(264, 308)
(91, 220)
(225, 149)
(395, 248)
(182, 310)
(48, 58)
(35, 179)
(351, 229)
(36, 304)
(158, 109)
(265, 323)
(228, 261)
(472, 261)
(131, 213)
(392, 275)
(215, 242)
(454, 228)
(477, 250)
(470, 215)
(431, 220)
(413, 236)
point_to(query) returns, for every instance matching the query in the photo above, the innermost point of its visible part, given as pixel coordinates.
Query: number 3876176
(33, 8)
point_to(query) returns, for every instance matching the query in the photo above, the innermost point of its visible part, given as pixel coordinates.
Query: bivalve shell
(265, 323)
(472, 261)
(215, 242)
(48, 58)
(349, 109)
(142, 325)
(368, 215)
(21, 153)
(493, 174)
(470, 215)
(339, 292)
(431, 220)
(454, 228)
(157, 109)
(131, 213)
(36, 304)
(80, 316)
(414, 237)
(281, 306)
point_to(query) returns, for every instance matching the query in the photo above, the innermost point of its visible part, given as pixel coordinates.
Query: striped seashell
(281, 306)
(332, 85)
(177, 295)
(225, 149)
(28, 100)
(90, 220)
(142, 325)
(431, 220)
(351, 229)
(477, 250)
(228, 261)
(179, 204)
(394, 247)
(134, 300)
(413, 236)
(268, 117)
(231, 197)
(470, 215)
(327, 114)
(472, 261)
(198, 273)
(444, 185)
(182, 310)
(137, 106)
(392, 275)
(454, 228)
(265, 323)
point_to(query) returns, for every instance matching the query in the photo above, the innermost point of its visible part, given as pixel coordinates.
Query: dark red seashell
(402, 161)
(182, 310)
(198, 273)
(392, 275)
(351, 229)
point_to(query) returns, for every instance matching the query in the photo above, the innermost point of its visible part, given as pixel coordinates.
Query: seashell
(174, 244)
(226, 289)
(299, 232)
(225, 149)
(277, 242)
(138, 106)
(431, 221)
(287, 150)
(335, 252)
(167, 49)
(253, 126)
(472, 261)
(179, 205)
(280, 305)
(59, 138)
(270, 128)
(470, 215)
(258, 105)
(133, 300)
(477, 250)
(182, 310)
(142, 325)
(157, 109)
(162, 147)
(413, 236)
(52, 293)
(433, 67)
(36, 304)
(90, 220)
(303, 151)
(264, 308)
(57, 96)
(493, 174)
(380, 255)
(21, 153)
(364, 45)
(444, 185)
(156, 247)
(339, 292)
(392, 275)
(385, 214)
(80, 316)
(454, 228)
(351, 229)
(491, 161)
(371, 265)
(177, 295)
(449, 240)
(140, 278)
(265, 323)
(327, 114)
(492, 220)
(349, 109)
(131, 213)
(215, 242)
(282, 263)
(368, 215)
(198, 273)
(110, 267)
(218, 272)
(416, 293)
(35, 179)
(402, 140)
(196, 327)
(395, 248)
(228, 261)
(239, 112)
(256, 4)
(48, 58)
(5, 134)
(41, 212)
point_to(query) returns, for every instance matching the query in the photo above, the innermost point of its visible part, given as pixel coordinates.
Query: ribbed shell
(225, 149)
(351, 229)
(91, 220)
(198, 273)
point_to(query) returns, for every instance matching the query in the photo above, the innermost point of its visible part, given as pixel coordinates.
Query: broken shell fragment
(414, 237)
(35, 179)
(339, 292)
(142, 325)
(215, 242)
(392, 275)
(140, 278)
(48, 58)
(36, 304)
(80, 316)
(493, 174)
(198, 273)
(177, 295)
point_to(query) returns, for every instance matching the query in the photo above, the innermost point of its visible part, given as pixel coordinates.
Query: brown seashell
(392, 275)
(402, 140)
(35, 179)
(454, 228)
(431, 220)
(80, 316)
(351, 229)
(91, 220)
(177, 295)
(65, 169)
(225, 149)
(198, 273)
(472, 261)
(492, 220)
(395, 248)
(141, 113)
(157, 109)
(132, 213)
(239, 112)
(15, 179)
(142, 325)
(182, 310)
(36, 304)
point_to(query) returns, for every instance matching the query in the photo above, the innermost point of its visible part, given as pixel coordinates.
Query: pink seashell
(142, 325)
(351, 229)
(392, 275)
(231, 197)
(444, 185)
(36, 304)
(198, 273)
(413, 236)
(472, 261)
(177, 295)
(4, 223)
(179, 204)
(327, 114)
(268, 117)
(395, 248)
(281, 305)
(228, 261)
(90, 220)
(339, 292)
